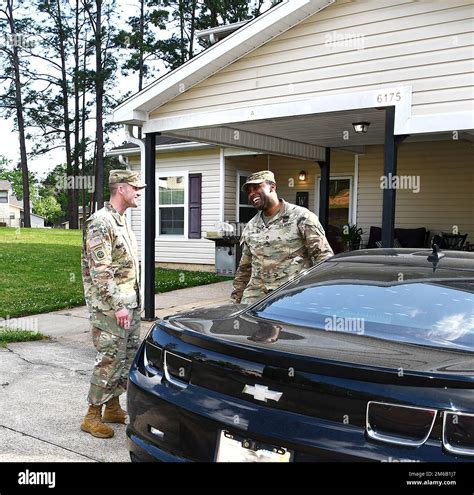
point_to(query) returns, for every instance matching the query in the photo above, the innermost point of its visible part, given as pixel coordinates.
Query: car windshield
(437, 311)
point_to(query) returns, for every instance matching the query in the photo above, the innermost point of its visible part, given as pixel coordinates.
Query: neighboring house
(65, 225)
(11, 209)
(287, 88)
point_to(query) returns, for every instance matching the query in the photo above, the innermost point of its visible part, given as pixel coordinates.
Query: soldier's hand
(123, 318)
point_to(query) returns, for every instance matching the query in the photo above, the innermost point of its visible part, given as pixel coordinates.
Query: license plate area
(235, 448)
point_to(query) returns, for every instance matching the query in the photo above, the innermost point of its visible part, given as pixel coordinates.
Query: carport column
(150, 226)
(389, 170)
(324, 190)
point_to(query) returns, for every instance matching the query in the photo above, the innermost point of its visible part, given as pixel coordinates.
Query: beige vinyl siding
(4, 212)
(426, 45)
(445, 199)
(184, 250)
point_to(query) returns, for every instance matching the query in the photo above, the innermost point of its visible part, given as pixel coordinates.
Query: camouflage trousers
(116, 349)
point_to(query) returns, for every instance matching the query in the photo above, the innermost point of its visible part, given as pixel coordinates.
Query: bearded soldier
(111, 285)
(277, 243)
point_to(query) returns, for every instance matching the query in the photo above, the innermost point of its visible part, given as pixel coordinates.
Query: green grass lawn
(8, 336)
(40, 271)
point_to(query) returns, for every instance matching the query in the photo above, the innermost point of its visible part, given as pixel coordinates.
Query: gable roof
(4, 185)
(15, 202)
(250, 36)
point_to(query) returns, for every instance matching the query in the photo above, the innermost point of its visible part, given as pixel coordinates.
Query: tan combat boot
(113, 413)
(93, 424)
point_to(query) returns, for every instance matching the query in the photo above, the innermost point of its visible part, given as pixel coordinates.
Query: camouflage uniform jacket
(292, 240)
(109, 262)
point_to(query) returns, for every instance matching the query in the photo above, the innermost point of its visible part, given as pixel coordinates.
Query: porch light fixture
(302, 176)
(360, 127)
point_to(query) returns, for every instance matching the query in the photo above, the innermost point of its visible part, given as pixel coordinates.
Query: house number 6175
(389, 97)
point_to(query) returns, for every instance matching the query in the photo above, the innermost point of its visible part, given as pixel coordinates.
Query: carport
(304, 133)
(248, 91)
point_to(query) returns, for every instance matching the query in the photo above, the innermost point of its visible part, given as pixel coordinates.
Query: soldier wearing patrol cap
(110, 274)
(277, 243)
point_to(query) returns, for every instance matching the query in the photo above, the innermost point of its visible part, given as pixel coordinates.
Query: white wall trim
(241, 152)
(439, 122)
(163, 148)
(401, 99)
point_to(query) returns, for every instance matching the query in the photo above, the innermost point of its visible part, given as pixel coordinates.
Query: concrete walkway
(44, 384)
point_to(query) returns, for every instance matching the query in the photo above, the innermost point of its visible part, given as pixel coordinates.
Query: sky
(9, 146)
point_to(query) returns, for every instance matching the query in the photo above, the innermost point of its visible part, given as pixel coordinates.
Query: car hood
(232, 324)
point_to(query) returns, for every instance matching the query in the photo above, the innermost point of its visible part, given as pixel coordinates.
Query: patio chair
(450, 241)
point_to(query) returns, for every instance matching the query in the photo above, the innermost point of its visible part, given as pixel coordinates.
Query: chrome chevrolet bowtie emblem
(261, 392)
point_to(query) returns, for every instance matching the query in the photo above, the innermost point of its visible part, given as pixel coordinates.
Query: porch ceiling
(302, 136)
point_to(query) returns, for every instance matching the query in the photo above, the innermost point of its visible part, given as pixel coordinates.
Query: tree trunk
(99, 84)
(83, 128)
(142, 30)
(72, 207)
(181, 29)
(192, 30)
(141, 56)
(20, 118)
(77, 112)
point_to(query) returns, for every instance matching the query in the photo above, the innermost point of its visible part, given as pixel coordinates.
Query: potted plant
(352, 235)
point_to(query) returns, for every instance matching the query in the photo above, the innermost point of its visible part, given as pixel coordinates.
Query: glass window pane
(3, 196)
(172, 221)
(171, 190)
(243, 198)
(430, 310)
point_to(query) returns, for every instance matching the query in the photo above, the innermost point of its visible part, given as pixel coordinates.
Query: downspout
(221, 184)
(141, 144)
(124, 161)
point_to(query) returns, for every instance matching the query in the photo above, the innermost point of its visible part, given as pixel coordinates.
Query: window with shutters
(172, 201)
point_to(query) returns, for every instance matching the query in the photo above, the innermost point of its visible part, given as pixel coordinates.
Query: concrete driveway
(44, 385)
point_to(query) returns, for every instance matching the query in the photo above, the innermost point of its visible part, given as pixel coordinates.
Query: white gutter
(124, 161)
(162, 148)
(141, 144)
(221, 184)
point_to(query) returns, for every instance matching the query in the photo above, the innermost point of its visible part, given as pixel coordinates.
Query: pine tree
(140, 39)
(12, 101)
(101, 18)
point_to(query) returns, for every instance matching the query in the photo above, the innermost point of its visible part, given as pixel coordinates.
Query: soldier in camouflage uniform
(111, 285)
(279, 242)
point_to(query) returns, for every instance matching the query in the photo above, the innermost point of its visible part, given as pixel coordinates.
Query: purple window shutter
(195, 206)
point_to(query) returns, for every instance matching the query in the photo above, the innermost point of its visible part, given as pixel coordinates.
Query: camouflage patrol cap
(132, 178)
(259, 177)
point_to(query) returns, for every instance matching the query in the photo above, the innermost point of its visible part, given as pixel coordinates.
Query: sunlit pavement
(44, 384)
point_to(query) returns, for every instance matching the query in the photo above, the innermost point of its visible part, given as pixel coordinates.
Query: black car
(367, 356)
